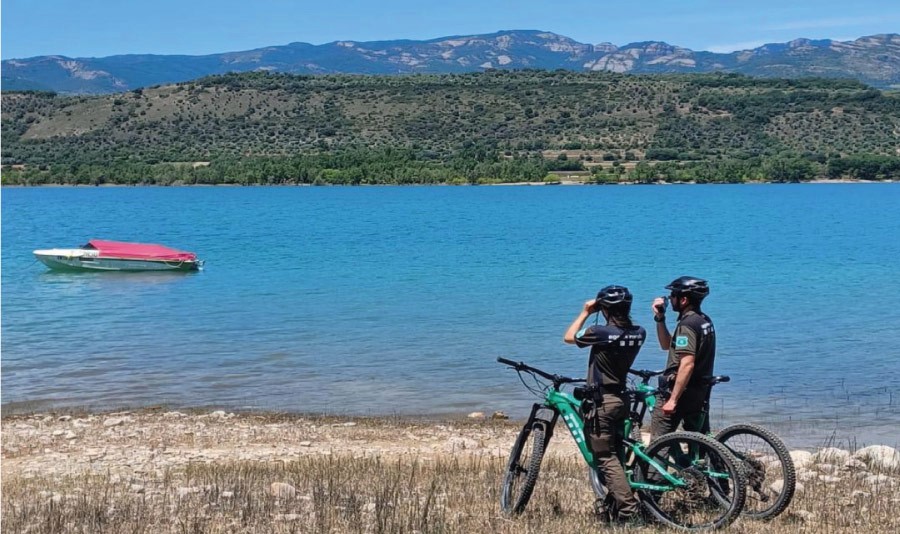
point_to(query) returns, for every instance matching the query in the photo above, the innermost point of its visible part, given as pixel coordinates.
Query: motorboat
(101, 255)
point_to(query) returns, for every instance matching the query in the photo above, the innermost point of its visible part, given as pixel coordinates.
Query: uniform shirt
(694, 334)
(613, 350)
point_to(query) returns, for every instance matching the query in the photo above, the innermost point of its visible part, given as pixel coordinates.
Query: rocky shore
(150, 442)
(171, 471)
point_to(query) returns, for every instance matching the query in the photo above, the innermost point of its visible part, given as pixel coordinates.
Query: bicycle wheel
(698, 462)
(522, 469)
(767, 466)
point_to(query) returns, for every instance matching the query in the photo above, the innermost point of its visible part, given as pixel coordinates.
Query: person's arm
(662, 331)
(685, 370)
(686, 349)
(576, 325)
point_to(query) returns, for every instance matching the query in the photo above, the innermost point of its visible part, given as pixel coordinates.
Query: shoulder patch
(681, 341)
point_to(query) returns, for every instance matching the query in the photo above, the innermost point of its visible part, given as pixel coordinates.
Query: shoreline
(69, 442)
(563, 183)
(86, 424)
(155, 439)
(805, 433)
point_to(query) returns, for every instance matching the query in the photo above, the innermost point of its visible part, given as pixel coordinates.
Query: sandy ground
(151, 442)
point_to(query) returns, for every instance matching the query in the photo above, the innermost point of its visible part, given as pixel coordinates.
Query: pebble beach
(156, 469)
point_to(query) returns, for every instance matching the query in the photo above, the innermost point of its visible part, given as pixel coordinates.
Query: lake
(398, 300)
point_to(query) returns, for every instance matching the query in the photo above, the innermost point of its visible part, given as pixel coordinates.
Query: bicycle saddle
(713, 380)
(645, 374)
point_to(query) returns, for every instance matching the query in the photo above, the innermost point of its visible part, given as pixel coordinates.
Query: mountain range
(874, 60)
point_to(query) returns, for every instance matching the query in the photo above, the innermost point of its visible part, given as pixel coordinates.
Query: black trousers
(690, 412)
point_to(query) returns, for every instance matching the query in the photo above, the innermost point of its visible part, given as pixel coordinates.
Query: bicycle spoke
(767, 467)
(700, 466)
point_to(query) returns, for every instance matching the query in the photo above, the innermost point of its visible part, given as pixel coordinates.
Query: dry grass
(159, 472)
(343, 494)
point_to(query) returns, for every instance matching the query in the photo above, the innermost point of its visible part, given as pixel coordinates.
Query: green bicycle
(764, 458)
(676, 477)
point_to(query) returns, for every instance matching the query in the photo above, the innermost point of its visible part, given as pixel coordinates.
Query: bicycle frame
(669, 464)
(560, 402)
(644, 400)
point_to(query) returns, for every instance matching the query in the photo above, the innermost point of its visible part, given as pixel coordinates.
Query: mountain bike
(765, 459)
(675, 476)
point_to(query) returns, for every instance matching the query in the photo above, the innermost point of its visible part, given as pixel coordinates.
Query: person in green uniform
(692, 355)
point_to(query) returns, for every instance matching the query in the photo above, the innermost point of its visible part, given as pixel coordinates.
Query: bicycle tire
(674, 508)
(522, 470)
(755, 471)
(597, 484)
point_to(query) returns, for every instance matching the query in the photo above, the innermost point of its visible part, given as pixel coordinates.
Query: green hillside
(484, 127)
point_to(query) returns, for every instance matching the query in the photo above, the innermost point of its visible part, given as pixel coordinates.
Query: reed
(338, 493)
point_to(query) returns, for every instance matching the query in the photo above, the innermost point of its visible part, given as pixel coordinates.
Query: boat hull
(64, 262)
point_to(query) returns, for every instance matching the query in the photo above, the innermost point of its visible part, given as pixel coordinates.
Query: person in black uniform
(614, 346)
(692, 356)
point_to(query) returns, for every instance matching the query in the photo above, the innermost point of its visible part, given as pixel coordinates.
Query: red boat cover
(139, 251)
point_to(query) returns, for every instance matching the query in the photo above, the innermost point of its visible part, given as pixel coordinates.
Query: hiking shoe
(601, 511)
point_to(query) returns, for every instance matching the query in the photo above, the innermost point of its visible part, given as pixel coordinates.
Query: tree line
(402, 167)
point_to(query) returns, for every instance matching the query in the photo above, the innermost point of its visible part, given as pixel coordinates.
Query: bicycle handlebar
(708, 380)
(522, 366)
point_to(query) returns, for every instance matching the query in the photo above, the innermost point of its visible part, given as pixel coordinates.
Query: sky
(96, 28)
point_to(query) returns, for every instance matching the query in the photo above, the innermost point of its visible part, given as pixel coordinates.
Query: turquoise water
(385, 300)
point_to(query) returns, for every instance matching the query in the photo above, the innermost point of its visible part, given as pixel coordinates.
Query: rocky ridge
(872, 59)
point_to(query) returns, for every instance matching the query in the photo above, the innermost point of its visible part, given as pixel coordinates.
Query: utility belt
(665, 383)
(595, 392)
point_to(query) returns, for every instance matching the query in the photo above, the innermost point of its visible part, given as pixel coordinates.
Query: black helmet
(613, 296)
(689, 286)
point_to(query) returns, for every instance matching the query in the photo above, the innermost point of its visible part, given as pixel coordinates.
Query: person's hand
(589, 306)
(669, 407)
(658, 307)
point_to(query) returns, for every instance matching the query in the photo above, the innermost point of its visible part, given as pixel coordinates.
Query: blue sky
(92, 28)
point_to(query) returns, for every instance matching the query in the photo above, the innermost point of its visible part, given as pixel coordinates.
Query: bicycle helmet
(614, 296)
(689, 286)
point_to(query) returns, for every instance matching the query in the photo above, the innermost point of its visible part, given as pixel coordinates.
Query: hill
(874, 60)
(501, 126)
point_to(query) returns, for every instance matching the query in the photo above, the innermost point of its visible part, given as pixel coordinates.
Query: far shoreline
(564, 183)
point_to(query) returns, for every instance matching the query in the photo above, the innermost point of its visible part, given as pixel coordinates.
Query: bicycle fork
(544, 417)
